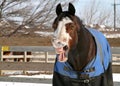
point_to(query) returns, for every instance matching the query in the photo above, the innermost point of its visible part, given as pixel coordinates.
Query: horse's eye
(72, 27)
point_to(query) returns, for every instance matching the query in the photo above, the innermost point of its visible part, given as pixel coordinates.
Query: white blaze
(60, 34)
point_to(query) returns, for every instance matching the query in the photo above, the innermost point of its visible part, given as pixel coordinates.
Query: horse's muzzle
(58, 44)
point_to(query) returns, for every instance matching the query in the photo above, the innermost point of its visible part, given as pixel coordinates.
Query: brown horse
(83, 55)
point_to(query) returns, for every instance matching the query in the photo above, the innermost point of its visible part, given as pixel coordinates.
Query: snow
(116, 78)
(22, 84)
(116, 35)
(102, 26)
(44, 33)
(43, 76)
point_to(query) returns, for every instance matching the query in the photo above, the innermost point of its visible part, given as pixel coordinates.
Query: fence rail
(43, 49)
(47, 55)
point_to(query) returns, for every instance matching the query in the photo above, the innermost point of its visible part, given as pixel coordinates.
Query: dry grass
(40, 41)
(114, 42)
(25, 41)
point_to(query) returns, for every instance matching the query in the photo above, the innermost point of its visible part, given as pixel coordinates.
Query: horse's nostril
(59, 42)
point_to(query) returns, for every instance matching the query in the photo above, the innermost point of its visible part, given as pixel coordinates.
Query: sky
(102, 5)
(105, 4)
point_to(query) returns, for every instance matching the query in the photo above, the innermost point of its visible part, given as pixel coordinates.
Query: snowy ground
(22, 84)
(116, 78)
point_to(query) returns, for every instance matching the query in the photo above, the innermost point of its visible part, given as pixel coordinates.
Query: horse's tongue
(61, 52)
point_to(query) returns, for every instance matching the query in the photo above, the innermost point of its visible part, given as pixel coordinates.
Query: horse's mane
(79, 22)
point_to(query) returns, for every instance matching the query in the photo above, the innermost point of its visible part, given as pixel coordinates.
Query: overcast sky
(103, 4)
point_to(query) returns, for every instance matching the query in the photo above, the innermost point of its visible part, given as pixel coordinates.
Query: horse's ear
(71, 9)
(58, 9)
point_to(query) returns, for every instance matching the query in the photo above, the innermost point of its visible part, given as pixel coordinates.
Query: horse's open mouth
(62, 52)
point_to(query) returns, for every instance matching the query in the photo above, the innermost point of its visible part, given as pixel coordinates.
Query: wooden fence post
(1, 55)
(25, 60)
(46, 57)
(25, 55)
(1, 59)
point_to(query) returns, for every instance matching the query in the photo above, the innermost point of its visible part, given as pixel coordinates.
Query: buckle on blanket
(90, 70)
(86, 81)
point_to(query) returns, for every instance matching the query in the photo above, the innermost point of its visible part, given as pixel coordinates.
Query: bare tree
(118, 17)
(29, 12)
(95, 14)
(90, 11)
(118, 21)
(10, 8)
(45, 13)
(104, 17)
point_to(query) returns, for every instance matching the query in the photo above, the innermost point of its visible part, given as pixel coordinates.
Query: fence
(45, 53)
(46, 56)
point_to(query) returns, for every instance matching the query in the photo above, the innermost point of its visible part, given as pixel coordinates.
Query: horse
(83, 55)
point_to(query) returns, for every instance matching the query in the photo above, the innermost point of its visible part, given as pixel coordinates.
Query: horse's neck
(84, 50)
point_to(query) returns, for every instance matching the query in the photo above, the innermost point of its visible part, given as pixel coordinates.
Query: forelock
(66, 20)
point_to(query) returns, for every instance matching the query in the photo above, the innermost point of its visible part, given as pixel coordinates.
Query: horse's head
(65, 30)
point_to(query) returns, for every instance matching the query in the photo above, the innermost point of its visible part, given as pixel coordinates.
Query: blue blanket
(100, 62)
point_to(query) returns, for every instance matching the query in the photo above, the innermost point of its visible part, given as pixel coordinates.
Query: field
(25, 41)
(114, 42)
(40, 41)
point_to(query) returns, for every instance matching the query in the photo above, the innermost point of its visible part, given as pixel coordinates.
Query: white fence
(38, 53)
